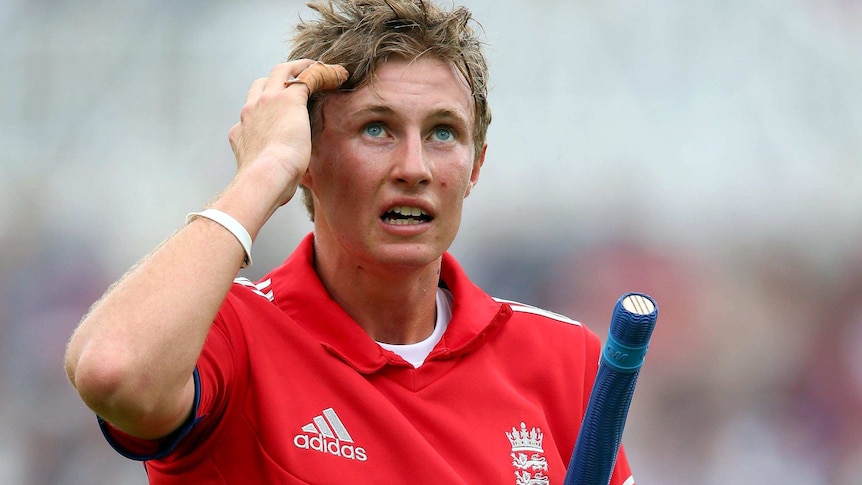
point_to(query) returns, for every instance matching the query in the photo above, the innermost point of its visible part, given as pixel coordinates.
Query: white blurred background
(707, 153)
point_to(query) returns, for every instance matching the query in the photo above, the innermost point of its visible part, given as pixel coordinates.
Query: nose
(412, 166)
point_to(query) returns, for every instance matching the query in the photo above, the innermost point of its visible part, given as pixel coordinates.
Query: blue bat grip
(601, 431)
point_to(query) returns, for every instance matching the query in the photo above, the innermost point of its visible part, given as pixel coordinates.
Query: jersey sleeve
(214, 381)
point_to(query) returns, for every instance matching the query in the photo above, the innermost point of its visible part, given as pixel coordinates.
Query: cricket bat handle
(599, 439)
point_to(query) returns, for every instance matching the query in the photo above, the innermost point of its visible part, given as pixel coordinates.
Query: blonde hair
(362, 34)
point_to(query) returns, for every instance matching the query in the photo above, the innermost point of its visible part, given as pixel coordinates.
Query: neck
(396, 305)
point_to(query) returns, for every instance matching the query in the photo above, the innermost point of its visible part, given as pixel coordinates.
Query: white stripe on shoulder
(523, 308)
(256, 288)
(629, 481)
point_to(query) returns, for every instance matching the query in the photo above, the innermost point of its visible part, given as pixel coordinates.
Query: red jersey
(291, 390)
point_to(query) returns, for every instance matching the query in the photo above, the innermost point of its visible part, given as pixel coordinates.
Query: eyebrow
(444, 113)
(374, 110)
(437, 114)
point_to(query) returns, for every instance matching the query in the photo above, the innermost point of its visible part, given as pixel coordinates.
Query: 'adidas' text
(333, 447)
(327, 434)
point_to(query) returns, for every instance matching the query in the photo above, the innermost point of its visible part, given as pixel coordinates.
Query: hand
(272, 141)
(273, 137)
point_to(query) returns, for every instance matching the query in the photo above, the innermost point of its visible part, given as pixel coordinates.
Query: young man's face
(393, 163)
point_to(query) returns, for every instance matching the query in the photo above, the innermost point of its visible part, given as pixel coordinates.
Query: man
(368, 356)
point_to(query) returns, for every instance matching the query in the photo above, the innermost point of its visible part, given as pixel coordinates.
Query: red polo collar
(298, 291)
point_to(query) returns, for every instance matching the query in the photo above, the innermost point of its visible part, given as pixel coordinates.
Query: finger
(284, 71)
(321, 77)
(255, 90)
(233, 136)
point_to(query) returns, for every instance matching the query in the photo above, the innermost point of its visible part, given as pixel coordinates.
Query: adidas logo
(327, 434)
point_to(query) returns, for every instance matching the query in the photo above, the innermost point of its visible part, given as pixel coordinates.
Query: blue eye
(374, 130)
(443, 134)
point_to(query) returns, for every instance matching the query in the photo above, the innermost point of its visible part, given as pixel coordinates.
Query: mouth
(405, 215)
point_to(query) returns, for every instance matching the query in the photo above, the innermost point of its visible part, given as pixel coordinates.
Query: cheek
(326, 169)
(348, 181)
(456, 181)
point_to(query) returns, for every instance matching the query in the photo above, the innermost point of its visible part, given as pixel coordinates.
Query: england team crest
(528, 457)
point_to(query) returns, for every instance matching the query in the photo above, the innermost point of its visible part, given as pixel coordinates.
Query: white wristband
(232, 225)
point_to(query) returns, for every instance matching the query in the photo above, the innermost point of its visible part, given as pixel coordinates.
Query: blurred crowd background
(706, 153)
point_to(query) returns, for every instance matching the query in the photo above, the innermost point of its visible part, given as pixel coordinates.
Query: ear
(306, 178)
(477, 167)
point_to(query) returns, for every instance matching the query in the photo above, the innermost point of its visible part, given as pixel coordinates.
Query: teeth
(408, 211)
(409, 215)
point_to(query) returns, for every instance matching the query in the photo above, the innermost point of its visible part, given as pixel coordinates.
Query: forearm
(131, 358)
(134, 353)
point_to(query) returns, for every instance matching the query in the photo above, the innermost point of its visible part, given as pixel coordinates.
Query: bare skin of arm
(132, 356)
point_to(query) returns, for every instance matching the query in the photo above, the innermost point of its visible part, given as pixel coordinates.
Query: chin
(407, 254)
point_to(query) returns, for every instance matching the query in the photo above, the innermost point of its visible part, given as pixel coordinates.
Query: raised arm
(132, 356)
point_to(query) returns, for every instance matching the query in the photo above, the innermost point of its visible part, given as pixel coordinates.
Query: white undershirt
(416, 353)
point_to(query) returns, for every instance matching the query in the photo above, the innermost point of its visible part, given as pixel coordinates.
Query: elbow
(101, 380)
(106, 373)
(94, 369)
(114, 386)
(110, 379)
